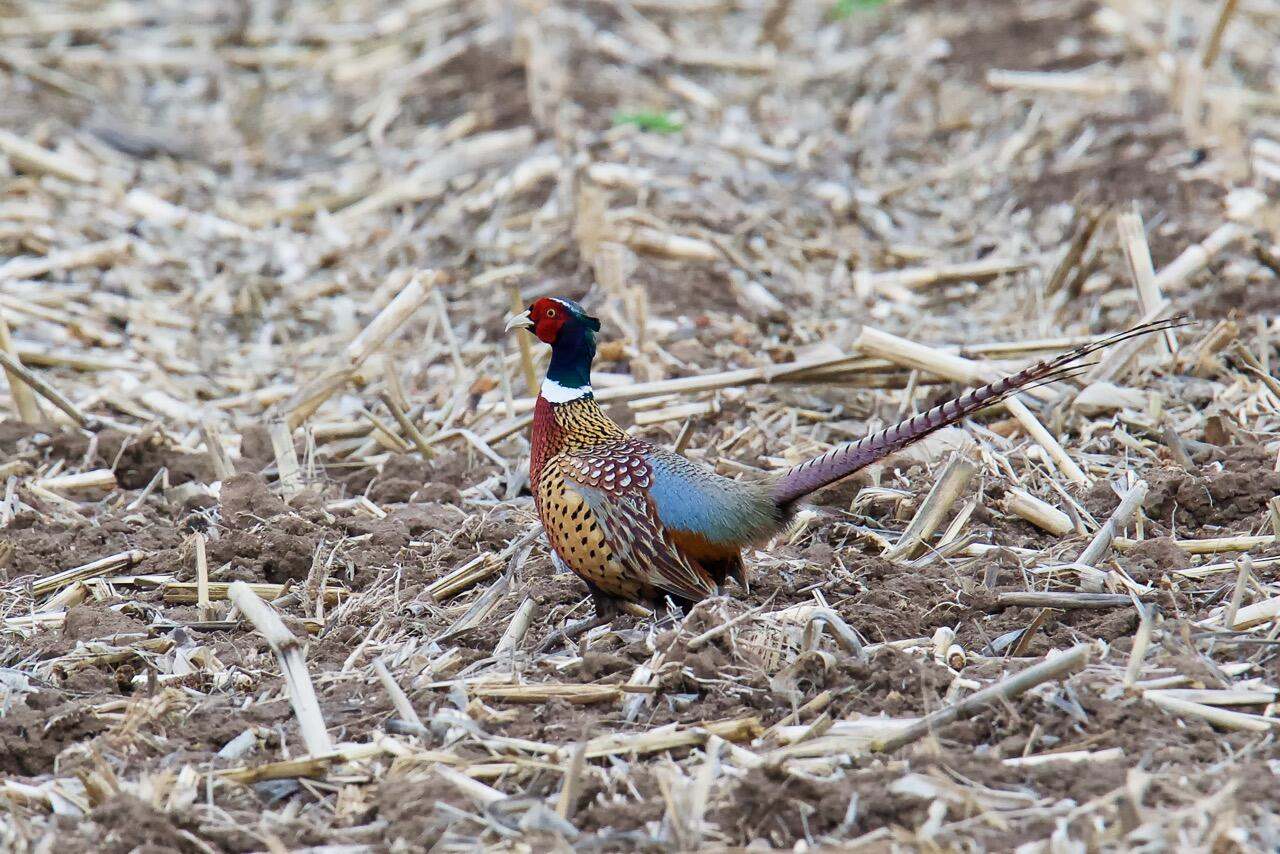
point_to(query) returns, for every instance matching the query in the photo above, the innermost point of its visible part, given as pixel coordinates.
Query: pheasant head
(571, 332)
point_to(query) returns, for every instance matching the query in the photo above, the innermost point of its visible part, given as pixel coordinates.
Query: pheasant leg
(606, 609)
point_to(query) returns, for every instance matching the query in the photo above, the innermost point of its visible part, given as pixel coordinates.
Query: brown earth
(263, 538)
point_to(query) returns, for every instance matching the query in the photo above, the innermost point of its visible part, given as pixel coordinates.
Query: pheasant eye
(551, 312)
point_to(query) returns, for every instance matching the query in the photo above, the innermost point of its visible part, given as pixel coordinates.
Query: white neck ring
(553, 392)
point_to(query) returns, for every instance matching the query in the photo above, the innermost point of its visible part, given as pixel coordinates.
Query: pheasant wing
(642, 546)
(615, 485)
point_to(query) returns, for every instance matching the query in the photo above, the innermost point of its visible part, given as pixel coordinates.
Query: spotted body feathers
(593, 492)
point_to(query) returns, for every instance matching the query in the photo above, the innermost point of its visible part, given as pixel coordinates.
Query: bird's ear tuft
(593, 323)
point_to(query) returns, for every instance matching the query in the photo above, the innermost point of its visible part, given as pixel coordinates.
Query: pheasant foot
(606, 609)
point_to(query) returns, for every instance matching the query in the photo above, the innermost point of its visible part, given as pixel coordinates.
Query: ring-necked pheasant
(638, 523)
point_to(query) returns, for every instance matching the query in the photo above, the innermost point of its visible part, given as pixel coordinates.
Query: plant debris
(270, 575)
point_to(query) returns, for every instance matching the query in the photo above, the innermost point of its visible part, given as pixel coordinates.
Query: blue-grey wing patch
(691, 498)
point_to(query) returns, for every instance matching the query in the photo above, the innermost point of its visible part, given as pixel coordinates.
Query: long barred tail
(798, 481)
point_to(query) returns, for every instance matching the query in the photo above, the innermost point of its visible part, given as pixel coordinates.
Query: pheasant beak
(519, 321)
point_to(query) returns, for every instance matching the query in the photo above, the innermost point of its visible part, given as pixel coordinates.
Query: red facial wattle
(547, 320)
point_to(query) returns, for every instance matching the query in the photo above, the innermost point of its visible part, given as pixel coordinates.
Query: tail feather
(808, 477)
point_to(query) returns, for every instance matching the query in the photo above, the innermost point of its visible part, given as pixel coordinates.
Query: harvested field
(270, 573)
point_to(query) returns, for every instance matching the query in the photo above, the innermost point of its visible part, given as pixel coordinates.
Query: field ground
(244, 244)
